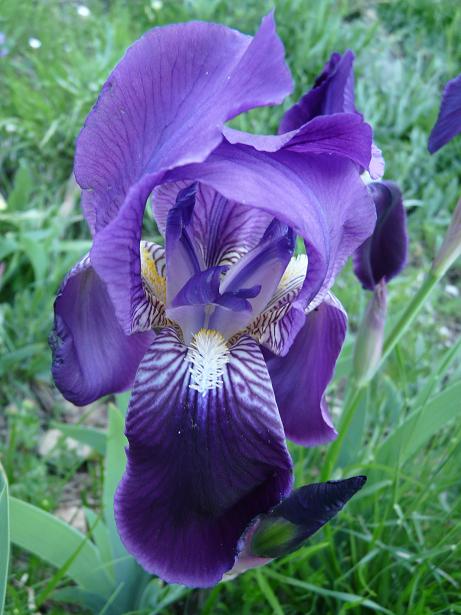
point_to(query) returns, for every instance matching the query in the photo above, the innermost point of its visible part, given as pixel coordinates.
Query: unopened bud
(450, 249)
(288, 525)
(370, 337)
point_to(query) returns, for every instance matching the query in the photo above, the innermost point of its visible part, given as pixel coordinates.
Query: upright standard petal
(166, 101)
(344, 134)
(383, 255)
(91, 354)
(333, 92)
(321, 197)
(164, 106)
(448, 123)
(223, 230)
(301, 377)
(201, 465)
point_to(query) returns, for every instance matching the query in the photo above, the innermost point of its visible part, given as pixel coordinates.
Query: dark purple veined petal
(222, 229)
(289, 524)
(383, 255)
(322, 198)
(448, 123)
(200, 465)
(260, 268)
(91, 354)
(277, 326)
(301, 377)
(166, 101)
(333, 92)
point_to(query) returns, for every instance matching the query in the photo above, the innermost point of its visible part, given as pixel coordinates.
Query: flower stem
(391, 341)
(410, 314)
(346, 419)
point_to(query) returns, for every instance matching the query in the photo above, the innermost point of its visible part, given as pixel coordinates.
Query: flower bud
(287, 526)
(384, 253)
(451, 246)
(369, 342)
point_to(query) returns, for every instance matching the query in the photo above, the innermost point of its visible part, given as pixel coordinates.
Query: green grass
(396, 548)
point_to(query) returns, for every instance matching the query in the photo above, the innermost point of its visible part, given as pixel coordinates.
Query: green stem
(391, 341)
(409, 315)
(344, 424)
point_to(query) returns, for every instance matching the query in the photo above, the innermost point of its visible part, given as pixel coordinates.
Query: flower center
(208, 354)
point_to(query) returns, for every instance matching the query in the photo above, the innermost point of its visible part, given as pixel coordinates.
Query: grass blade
(4, 537)
(421, 425)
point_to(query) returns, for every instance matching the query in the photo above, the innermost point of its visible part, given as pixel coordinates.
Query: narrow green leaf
(421, 425)
(437, 374)
(114, 467)
(57, 542)
(268, 593)
(24, 185)
(4, 537)
(329, 593)
(96, 438)
(76, 595)
(130, 577)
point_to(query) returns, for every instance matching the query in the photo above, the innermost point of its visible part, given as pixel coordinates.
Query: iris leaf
(4, 537)
(114, 466)
(130, 577)
(96, 438)
(60, 545)
(421, 425)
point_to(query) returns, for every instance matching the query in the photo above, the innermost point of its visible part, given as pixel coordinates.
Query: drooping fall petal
(91, 354)
(201, 466)
(301, 377)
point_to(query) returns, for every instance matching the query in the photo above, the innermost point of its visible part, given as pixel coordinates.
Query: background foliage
(396, 549)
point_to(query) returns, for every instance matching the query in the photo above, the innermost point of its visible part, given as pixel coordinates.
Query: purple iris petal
(301, 377)
(91, 355)
(200, 466)
(166, 101)
(222, 229)
(261, 267)
(333, 92)
(182, 260)
(322, 198)
(345, 134)
(193, 306)
(203, 288)
(384, 254)
(448, 123)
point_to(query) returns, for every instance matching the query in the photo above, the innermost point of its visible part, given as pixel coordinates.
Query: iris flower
(227, 338)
